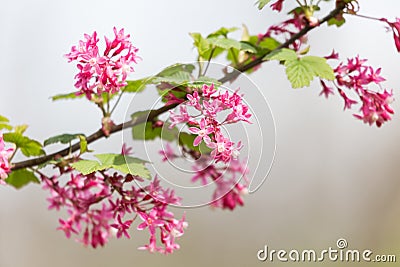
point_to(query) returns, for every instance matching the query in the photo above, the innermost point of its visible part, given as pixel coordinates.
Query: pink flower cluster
(230, 180)
(206, 126)
(5, 155)
(100, 204)
(106, 72)
(355, 76)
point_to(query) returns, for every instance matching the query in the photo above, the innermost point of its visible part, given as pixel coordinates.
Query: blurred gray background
(333, 176)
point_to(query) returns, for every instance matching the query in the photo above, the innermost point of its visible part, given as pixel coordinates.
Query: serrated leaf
(62, 138)
(301, 71)
(224, 43)
(72, 95)
(87, 166)
(262, 3)
(282, 55)
(298, 73)
(204, 80)
(28, 146)
(20, 178)
(137, 86)
(319, 67)
(32, 148)
(124, 164)
(177, 78)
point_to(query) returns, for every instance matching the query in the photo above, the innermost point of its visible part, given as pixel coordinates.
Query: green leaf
(32, 148)
(146, 131)
(222, 32)
(62, 138)
(124, 164)
(204, 80)
(20, 178)
(83, 144)
(28, 146)
(87, 166)
(282, 55)
(66, 96)
(21, 128)
(224, 43)
(301, 71)
(248, 47)
(137, 85)
(262, 3)
(200, 43)
(4, 123)
(177, 78)
(269, 43)
(335, 21)
(3, 119)
(320, 67)
(5, 126)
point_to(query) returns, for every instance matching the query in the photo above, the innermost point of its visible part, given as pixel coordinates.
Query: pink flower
(202, 133)
(277, 5)
(222, 148)
(183, 117)
(194, 100)
(326, 90)
(208, 90)
(5, 155)
(126, 150)
(167, 153)
(122, 227)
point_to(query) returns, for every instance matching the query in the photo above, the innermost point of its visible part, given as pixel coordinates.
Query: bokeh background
(333, 177)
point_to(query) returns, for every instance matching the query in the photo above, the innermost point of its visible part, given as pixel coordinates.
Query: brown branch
(154, 113)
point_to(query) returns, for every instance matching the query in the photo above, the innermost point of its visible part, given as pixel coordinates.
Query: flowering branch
(154, 113)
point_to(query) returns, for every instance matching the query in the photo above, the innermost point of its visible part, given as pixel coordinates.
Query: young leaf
(222, 32)
(282, 55)
(21, 128)
(262, 3)
(72, 95)
(20, 178)
(335, 21)
(301, 71)
(28, 146)
(4, 123)
(83, 144)
(224, 43)
(62, 138)
(200, 43)
(137, 85)
(124, 164)
(87, 166)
